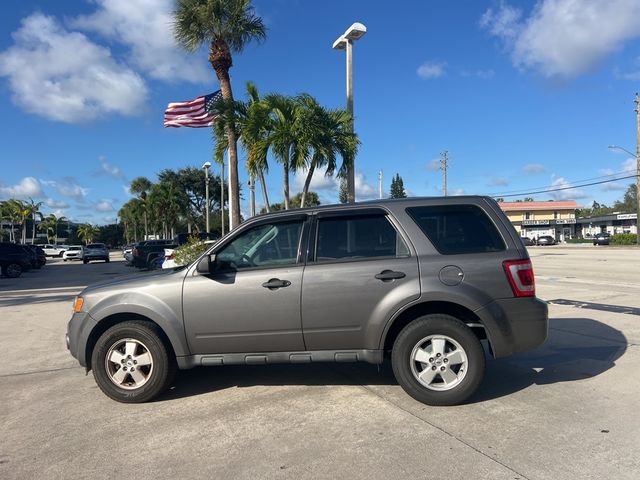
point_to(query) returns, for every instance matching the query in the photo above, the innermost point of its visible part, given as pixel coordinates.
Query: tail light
(521, 277)
(171, 256)
(135, 252)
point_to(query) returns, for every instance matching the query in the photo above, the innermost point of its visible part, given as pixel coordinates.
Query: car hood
(133, 281)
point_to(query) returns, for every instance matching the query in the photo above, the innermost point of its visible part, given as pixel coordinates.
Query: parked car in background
(602, 238)
(13, 260)
(52, 250)
(546, 240)
(75, 252)
(527, 241)
(421, 281)
(95, 251)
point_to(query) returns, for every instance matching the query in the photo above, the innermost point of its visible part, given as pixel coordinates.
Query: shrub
(190, 251)
(623, 239)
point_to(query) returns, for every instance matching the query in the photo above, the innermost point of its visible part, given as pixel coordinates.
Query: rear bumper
(515, 324)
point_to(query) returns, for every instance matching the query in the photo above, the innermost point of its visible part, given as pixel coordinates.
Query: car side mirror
(206, 264)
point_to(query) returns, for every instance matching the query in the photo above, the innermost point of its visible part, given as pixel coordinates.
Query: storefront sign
(535, 222)
(562, 221)
(626, 216)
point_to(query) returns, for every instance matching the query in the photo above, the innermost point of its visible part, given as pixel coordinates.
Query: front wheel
(12, 270)
(438, 360)
(131, 364)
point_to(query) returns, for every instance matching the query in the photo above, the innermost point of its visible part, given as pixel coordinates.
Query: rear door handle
(387, 275)
(275, 283)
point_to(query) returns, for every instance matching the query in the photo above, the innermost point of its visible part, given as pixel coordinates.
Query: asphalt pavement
(564, 411)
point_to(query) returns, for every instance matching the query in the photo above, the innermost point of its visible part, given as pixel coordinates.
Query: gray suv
(420, 281)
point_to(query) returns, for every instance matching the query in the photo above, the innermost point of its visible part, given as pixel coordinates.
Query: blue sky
(524, 95)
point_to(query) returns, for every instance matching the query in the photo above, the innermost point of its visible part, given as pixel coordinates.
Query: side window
(455, 229)
(267, 245)
(360, 236)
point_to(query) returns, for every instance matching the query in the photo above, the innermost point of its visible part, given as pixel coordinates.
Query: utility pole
(444, 160)
(222, 197)
(380, 184)
(252, 196)
(638, 170)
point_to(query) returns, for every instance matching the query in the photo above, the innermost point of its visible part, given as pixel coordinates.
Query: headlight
(78, 302)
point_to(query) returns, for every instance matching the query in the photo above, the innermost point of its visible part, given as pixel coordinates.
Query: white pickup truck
(51, 250)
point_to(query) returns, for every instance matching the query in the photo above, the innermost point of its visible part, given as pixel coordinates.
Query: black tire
(157, 377)
(106, 260)
(421, 332)
(85, 261)
(12, 270)
(154, 263)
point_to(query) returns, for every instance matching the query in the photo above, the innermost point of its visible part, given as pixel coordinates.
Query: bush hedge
(624, 239)
(190, 251)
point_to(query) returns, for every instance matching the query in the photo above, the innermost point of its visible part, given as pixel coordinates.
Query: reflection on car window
(268, 245)
(362, 236)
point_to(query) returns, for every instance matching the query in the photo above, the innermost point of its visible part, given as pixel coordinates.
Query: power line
(565, 188)
(567, 183)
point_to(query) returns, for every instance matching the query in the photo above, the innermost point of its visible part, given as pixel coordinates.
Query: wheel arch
(106, 323)
(425, 308)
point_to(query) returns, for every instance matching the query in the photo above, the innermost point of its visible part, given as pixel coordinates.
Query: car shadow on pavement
(577, 348)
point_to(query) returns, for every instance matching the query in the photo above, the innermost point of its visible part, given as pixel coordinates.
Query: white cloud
(564, 38)
(145, 26)
(613, 187)
(25, 188)
(433, 165)
(498, 182)
(104, 206)
(364, 190)
(52, 203)
(64, 76)
(533, 168)
(429, 70)
(319, 181)
(568, 193)
(456, 192)
(110, 170)
(69, 188)
(630, 165)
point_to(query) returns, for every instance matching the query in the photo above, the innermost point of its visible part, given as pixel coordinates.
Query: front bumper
(515, 324)
(78, 331)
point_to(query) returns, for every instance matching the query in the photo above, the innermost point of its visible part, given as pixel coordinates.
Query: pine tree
(397, 187)
(343, 194)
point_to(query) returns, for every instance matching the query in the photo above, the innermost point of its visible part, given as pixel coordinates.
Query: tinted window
(355, 237)
(268, 245)
(458, 228)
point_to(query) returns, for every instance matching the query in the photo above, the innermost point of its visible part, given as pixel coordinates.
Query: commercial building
(614, 223)
(535, 219)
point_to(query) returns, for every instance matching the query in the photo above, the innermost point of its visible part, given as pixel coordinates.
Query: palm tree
(34, 211)
(283, 137)
(227, 26)
(140, 186)
(50, 224)
(88, 232)
(326, 133)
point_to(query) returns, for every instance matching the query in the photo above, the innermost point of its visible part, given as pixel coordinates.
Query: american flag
(196, 113)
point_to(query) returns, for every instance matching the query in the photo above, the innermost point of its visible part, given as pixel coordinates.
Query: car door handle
(274, 283)
(387, 275)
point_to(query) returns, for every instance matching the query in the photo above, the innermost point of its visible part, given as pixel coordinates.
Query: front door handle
(388, 275)
(275, 283)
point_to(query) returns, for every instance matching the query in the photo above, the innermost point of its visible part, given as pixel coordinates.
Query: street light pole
(206, 166)
(637, 155)
(345, 42)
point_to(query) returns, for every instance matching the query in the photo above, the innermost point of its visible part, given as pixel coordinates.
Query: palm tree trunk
(307, 182)
(234, 190)
(265, 196)
(33, 232)
(286, 180)
(252, 195)
(146, 224)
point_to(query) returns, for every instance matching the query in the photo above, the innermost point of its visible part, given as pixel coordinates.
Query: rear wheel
(131, 364)
(438, 360)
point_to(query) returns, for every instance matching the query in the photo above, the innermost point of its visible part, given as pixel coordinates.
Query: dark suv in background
(418, 281)
(15, 259)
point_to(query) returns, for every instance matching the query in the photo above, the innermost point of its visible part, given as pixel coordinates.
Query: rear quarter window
(458, 229)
